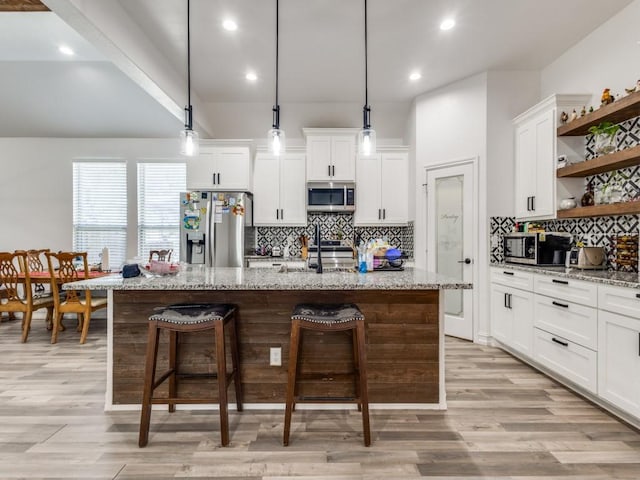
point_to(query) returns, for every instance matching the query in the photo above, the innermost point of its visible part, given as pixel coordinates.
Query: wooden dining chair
(34, 264)
(160, 255)
(13, 300)
(79, 302)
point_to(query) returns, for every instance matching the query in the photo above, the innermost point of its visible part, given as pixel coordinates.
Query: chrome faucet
(318, 243)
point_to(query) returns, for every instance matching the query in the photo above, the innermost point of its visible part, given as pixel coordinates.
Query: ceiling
(128, 77)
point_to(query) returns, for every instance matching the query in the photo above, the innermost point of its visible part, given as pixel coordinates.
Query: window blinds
(159, 187)
(100, 209)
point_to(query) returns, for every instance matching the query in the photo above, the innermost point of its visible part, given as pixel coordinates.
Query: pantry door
(450, 233)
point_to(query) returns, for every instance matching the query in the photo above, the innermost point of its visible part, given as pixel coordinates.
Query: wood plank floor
(505, 421)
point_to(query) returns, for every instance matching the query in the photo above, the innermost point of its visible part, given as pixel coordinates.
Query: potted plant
(605, 136)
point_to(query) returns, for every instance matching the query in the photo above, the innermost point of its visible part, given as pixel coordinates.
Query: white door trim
(474, 161)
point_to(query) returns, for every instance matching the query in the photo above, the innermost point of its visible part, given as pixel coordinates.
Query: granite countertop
(204, 278)
(620, 279)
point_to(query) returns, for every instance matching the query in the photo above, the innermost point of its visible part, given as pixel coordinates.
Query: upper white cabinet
(331, 154)
(220, 168)
(279, 190)
(536, 154)
(382, 186)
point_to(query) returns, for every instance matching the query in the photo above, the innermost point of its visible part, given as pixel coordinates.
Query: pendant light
(367, 136)
(189, 140)
(276, 139)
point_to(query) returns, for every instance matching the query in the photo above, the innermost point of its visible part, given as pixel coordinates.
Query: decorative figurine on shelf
(564, 117)
(573, 115)
(591, 109)
(632, 89)
(583, 112)
(587, 199)
(606, 98)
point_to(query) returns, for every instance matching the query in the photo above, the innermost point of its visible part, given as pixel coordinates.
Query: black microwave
(539, 248)
(331, 196)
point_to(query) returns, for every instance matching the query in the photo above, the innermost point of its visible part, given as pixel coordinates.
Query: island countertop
(206, 278)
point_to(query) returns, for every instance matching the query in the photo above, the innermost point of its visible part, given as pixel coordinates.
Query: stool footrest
(326, 399)
(164, 401)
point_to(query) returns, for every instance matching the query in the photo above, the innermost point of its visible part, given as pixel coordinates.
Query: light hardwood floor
(505, 421)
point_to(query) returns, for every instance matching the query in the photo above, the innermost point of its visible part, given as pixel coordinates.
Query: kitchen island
(403, 319)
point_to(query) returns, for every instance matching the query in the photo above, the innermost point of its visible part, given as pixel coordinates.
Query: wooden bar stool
(184, 318)
(328, 318)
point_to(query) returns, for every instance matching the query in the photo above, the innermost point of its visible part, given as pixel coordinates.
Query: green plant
(605, 128)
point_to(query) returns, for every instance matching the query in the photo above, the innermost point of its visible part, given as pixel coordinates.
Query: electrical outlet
(275, 356)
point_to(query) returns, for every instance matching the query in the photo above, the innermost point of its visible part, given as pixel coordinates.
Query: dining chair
(160, 255)
(79, 302)
(34, 264)
(13, 301)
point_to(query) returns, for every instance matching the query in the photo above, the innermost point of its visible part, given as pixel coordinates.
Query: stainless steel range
(334, 253)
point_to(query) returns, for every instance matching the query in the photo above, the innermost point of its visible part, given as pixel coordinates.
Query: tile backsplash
(595, 231)
(335, 226)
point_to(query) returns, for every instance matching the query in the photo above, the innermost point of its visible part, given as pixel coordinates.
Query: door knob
(466, 261)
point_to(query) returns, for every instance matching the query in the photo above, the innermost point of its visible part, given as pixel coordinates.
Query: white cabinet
(382, 189)
(276, 263)
(512, 318)
(619, 347)
(536, 153)
(574, 362)
(331, 154)
(279, 190)
(566, 333)
(512, 310)
(220, 168)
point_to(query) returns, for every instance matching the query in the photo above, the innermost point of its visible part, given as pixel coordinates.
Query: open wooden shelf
(616, 112)
(629, 157)
(623, 208)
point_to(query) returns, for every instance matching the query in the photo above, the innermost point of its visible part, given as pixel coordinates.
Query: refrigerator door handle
(209, 242)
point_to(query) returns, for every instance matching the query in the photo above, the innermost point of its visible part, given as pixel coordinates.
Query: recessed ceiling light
(415, 76)
(252, 77)
(230, 25)
(66, 50)
(447, 24)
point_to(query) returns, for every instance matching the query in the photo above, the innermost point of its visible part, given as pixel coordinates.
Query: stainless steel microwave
(540, 248)
(331, 196)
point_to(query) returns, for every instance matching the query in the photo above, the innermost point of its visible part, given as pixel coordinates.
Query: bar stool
(328, 318)
(183, 318)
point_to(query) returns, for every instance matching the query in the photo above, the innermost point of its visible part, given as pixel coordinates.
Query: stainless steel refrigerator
(216, 228)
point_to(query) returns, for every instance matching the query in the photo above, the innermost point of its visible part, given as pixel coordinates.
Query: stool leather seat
(188, 314)
(327, 313)
(185, 318)
(328, 318)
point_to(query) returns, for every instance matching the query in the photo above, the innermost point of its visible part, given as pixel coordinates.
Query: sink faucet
(318, 243)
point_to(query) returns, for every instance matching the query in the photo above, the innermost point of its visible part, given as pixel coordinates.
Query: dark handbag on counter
(130, 270)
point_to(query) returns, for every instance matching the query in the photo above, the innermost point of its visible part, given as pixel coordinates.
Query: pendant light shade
(367, 136)
(189, 139)
(276, 139)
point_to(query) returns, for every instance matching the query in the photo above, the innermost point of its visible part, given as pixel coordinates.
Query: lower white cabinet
(275, 262)
(576, 363)
(619, 360)
(512, 318)
(569, 320)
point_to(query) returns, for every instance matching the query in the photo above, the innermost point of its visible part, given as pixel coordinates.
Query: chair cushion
(184, 314)
(327, 313)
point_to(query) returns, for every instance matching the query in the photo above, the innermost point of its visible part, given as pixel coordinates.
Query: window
(100, 209)
(159, 187)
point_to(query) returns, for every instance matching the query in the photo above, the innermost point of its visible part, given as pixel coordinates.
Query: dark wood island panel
(402, 329)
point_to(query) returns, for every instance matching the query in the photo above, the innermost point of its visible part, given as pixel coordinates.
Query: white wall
(508, 95)
(36, 198)
(607, 58)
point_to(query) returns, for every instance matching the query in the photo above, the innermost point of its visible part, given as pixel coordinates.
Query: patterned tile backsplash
(596, 231)
(334, 226)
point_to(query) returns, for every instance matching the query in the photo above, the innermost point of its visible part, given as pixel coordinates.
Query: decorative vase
(587, 199)
(616, 193)
(605, 143)
(567, 203)
(601, 195)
